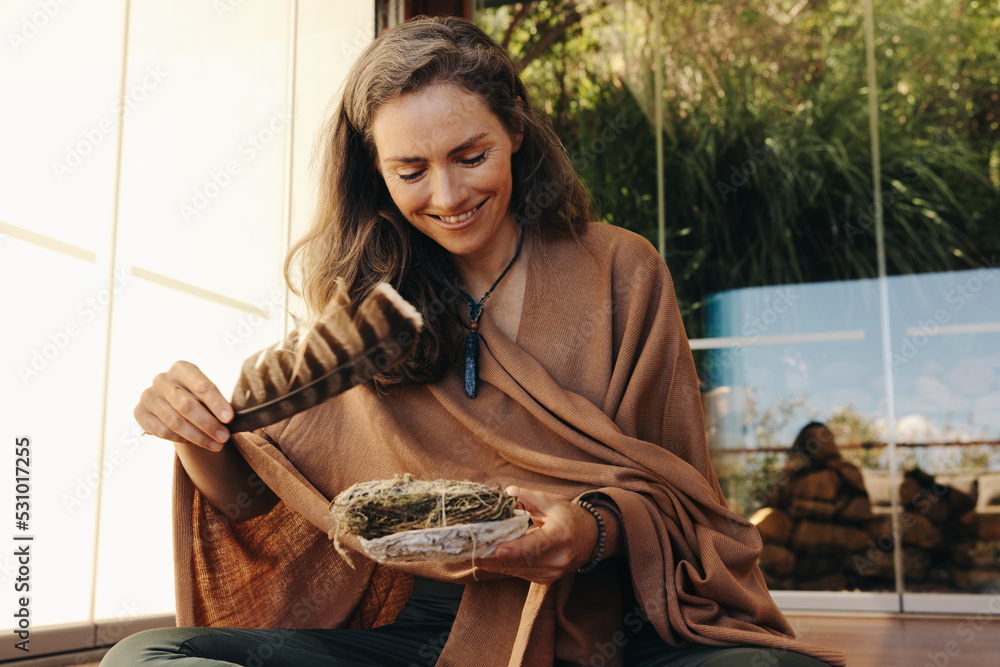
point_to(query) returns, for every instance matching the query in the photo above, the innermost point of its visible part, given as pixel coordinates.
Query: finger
(527, 548)
(177, 424)
(151, 425)
(182, 402)
(534, 502)
(203, 389)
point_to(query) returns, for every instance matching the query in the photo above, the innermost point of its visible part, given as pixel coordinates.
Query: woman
(443, 181)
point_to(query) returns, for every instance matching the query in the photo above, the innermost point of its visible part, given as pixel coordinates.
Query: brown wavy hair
(358, 234)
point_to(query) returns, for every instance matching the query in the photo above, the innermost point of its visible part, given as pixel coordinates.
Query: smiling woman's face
(445, 158)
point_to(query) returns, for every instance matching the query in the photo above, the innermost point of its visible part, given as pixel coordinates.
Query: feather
(333, 355)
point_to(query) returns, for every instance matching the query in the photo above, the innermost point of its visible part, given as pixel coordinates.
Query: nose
(449, 192)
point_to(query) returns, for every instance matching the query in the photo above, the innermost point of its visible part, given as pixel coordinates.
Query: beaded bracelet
(601, 533)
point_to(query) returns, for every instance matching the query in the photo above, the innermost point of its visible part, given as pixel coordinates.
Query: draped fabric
(597, 395)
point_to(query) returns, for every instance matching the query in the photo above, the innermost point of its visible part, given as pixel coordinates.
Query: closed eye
(472, 162)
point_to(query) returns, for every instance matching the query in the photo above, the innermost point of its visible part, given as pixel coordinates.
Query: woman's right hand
(184, 406)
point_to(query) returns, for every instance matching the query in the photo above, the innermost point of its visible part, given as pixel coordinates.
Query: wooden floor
(904, 641)
(896, 641)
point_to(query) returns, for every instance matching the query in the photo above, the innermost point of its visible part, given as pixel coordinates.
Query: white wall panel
(60, 68)
(153, 328)
(50, 390)
(186, 262)
(203, 159)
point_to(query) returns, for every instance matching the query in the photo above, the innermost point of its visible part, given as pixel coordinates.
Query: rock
(774, 526)
(880, 564)
(930, 501)
(815, 445)
(919, 531)
(777, 560)
(961, 553)
(813, 567)
(849, 473)
(940, 575)
(879, 526)
(989, 492)
(858, 509)
(987, 525)
(985, 579)
(778, 583)
(910, 490)
(831, 582)
(960, 502)
(871, 564)
(916, 562)
(815, 538)
(802, 508)
(819, 485)
(922, 493)
(983, 553)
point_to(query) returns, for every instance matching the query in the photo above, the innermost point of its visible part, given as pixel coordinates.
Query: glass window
(824, 185)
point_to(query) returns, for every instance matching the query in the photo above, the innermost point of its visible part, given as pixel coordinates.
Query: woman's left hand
(562, 540)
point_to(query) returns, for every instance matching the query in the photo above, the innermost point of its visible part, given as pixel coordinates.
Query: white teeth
(458, 218)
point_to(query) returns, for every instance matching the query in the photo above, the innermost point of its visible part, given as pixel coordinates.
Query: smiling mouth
(453, 219)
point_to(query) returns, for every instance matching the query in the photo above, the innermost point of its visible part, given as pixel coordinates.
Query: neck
(478, 273)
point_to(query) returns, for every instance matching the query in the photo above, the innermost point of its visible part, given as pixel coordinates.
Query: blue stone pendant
(471, 358)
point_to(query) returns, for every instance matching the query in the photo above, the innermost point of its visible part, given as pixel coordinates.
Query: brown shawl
(598, 394)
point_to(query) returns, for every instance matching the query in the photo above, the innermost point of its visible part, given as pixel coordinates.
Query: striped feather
(333, 355)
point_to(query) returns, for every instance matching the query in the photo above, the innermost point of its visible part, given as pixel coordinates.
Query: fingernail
(221, 435)
(226, 415)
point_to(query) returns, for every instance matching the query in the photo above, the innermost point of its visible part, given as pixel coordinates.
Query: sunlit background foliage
(783, 86)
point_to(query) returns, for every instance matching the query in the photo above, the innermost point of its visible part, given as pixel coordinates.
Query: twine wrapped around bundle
(405, 519)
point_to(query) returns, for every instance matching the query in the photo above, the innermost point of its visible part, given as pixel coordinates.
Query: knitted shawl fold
(597, 394)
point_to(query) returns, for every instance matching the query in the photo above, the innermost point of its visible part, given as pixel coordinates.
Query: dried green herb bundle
(382, 507)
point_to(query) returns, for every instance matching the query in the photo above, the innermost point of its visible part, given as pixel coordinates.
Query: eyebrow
(465, 145)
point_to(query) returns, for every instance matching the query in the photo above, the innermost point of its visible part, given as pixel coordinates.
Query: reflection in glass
(939, 117)
(767, 181)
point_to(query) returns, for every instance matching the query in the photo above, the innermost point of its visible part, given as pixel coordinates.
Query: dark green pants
(415, 639)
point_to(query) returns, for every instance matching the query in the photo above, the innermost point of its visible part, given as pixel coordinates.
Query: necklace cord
(475, 311)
